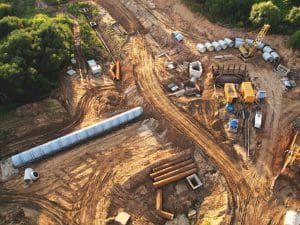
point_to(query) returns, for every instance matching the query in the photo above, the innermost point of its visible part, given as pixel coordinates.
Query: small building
(248, 92)
(230, 92)
(95, 68)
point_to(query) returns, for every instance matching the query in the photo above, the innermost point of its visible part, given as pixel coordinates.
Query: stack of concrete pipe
(215, 45)
(167, 173)
(173, 171)
(269, 55)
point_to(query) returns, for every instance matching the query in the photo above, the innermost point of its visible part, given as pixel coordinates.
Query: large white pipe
(59, 144)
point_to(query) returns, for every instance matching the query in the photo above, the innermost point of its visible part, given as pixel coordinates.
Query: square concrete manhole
(194, 181)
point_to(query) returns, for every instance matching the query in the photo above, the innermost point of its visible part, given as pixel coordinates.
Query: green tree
(294, 16)
(8, 24)
(294, 40)
(265, 12)
(5, 10)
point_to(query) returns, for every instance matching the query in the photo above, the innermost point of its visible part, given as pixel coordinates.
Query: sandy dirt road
(246, 198)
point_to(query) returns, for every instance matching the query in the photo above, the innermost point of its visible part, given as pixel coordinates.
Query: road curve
(187, 125)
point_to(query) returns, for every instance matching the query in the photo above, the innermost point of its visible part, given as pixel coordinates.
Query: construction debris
(115, 70)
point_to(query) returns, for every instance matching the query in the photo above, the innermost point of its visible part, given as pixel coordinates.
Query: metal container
(216, 46)
(201, 48)
(209, 46)
(76, 137)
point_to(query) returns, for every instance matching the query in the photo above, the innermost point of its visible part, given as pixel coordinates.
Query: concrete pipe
(175, 161)
(158, 199)
(165, 215)
(171, 168)
(174, 178)
(175, 172)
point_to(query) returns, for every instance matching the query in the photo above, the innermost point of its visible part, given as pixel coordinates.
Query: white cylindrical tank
(229, 42)
(223, 44)
(291, 218)
(209, 46)
(268, 57)
(201, 48)
(275, 56)
(216, 46)
(267, 49)
(238, 42)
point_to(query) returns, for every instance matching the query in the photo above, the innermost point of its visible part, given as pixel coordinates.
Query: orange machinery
(230, 92)
(115, 70)
(248, 92)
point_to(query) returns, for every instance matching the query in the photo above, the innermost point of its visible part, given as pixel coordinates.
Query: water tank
(223, 44)
(275, 56)
(229, 42)
(216, 46)
(267, 49)
(209, 46)
(238, 42)
(268, 57)
(76, 137)
(201, 48)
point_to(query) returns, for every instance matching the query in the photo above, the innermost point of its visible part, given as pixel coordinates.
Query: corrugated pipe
(74, 138)
(171, 168)
(174, 178)
(175, 172)
(159, 210)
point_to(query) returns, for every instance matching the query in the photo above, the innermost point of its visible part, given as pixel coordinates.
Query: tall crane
(247, 50)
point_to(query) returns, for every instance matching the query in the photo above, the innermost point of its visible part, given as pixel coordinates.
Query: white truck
(258, 120)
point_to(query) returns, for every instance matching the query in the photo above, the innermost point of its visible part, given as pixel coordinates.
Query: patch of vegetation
(90, 43)
(294, 40)
(21, 8)
(56, 2)
(75, 8)
(32, 52)
(282, 15)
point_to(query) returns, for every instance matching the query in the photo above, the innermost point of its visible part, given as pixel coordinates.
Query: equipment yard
(185, 135)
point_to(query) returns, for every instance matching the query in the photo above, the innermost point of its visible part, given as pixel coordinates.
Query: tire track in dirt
(243, 194)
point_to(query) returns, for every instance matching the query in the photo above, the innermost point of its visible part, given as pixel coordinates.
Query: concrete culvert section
(76, 137)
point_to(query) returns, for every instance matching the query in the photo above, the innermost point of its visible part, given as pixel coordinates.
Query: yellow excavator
(247, 50)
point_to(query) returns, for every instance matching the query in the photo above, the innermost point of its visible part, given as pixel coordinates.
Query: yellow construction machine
(247, 50)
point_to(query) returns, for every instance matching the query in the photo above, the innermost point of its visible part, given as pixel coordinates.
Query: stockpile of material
(167, 173)
(269, 55)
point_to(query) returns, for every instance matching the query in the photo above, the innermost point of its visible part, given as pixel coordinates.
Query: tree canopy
(32, 56)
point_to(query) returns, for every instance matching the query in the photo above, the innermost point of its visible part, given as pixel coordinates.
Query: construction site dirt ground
(92, 182)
